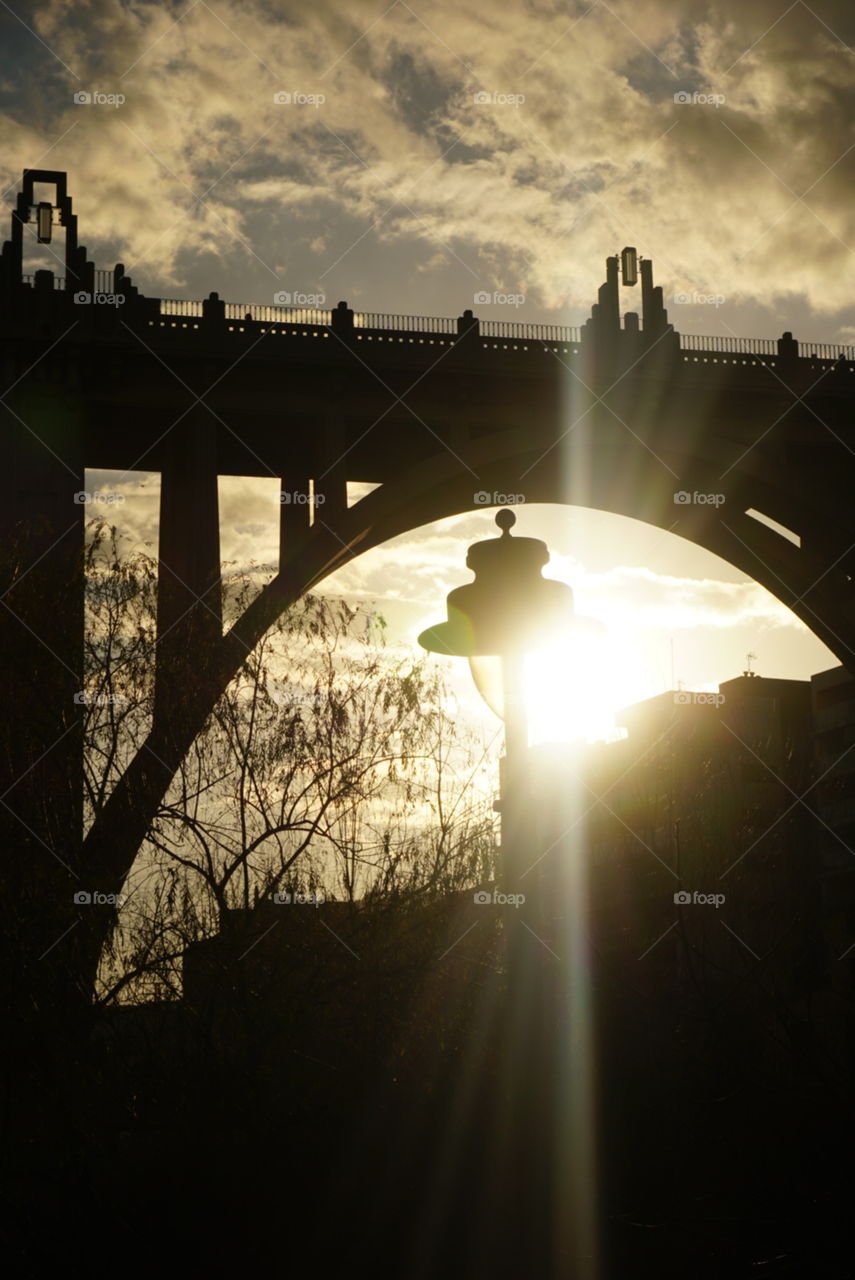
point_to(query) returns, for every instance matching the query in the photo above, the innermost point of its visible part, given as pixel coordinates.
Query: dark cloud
(744, 190)
(417, 93)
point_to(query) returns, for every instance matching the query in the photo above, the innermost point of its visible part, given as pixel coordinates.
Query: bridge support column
(603, 333)
(41, 705)
(330, 488)
(189, 590)
(609, 300)
(294, 512)
(653, 312)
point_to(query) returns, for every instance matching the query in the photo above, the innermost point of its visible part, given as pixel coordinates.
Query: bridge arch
(444, 485)
(815, 591)
(619, 415)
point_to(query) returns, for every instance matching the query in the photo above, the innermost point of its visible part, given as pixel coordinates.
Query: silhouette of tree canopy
(331, 765)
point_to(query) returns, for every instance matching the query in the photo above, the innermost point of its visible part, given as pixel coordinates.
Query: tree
(329, 766)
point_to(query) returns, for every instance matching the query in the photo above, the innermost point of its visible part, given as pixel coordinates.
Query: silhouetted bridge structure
(505, 335)
(623, 414)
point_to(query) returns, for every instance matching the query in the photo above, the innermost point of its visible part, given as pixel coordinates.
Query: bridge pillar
(294, 512)
(602, 333)
(788, 350)
(41, 703)
(213, 312)
(468, 326)
(189, 588)
(608, 298)
(341, 321)
(330, 487)
(632, 336)
(654, 315)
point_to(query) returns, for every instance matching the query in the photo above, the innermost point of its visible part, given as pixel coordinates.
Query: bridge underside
(621, 419)
(434, 436)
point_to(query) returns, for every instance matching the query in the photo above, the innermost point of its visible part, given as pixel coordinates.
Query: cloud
(748, 198)
(403, 193)
(646, 599)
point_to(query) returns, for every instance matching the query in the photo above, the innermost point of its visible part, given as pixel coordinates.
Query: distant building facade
(833, 711)
(702, 873)
(704, 813)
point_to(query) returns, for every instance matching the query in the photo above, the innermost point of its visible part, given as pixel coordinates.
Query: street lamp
(508, 614)
(509, 611)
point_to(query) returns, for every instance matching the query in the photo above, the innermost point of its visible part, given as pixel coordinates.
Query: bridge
(707, 437)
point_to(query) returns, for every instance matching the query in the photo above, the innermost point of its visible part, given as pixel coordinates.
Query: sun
(572, 687)
(572, 692)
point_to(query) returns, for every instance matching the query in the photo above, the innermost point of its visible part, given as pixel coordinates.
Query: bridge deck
(381, 327)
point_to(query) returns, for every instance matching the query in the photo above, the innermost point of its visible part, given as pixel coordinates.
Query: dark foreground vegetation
(354, 1098)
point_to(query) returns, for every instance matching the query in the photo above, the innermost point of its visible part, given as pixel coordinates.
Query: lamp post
(499, 622)
(509, 611)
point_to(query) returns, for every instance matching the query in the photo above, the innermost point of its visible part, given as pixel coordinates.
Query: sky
(407, 156)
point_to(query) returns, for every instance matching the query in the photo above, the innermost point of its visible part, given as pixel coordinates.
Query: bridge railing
(826, 351)
(267, 314)
(562, 333)
(405, 324)
(732, 346)
(180, 307)
(58, 281)
(104, 281)
(264, 313)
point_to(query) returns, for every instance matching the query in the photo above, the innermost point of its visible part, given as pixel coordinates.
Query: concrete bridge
(696, 435)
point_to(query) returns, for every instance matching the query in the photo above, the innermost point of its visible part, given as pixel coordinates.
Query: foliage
(331, 765)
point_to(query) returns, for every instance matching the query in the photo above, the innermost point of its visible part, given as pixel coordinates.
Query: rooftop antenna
(749, 658)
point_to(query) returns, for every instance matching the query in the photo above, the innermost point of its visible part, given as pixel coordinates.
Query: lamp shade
(510, 608)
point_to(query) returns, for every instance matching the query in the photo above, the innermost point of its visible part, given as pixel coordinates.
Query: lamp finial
(506, 520)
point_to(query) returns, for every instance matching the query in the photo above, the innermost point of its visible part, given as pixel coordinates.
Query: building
(702, 814)
(833, 709)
